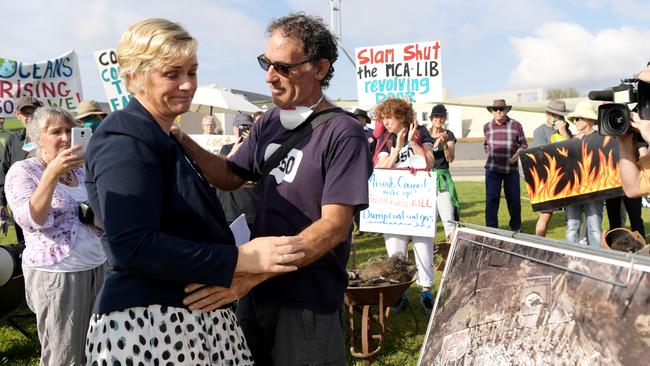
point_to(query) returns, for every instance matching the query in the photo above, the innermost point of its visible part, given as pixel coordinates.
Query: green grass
(402, 341)
(12, 124)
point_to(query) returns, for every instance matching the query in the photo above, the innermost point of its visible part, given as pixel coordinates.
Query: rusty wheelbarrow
(365, 299)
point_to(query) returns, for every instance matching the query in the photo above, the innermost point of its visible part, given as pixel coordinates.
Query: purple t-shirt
(329, 166)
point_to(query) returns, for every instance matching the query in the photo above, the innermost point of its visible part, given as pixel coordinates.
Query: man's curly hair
(318, 42)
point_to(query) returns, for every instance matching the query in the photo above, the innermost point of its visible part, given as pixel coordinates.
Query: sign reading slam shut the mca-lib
(410, 71)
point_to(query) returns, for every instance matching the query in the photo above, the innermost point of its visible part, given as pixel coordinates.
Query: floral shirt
(52, 241)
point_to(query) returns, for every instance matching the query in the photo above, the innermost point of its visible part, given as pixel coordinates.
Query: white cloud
(565, 55)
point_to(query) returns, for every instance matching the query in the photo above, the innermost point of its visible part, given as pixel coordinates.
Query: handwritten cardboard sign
(114, 86)
(55, 82)
(407, 70)
(401, 202)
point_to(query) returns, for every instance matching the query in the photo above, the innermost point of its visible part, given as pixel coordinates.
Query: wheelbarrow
(365, 299)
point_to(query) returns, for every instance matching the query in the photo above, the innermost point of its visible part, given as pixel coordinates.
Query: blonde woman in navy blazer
(164, 227)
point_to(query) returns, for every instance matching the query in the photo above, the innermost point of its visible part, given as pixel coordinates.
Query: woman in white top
(407, 145)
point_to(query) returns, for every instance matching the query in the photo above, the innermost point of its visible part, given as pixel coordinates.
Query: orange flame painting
(571, 171)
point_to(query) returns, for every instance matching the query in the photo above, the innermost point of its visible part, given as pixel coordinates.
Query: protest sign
(408, 70)
(527, 300)
(213, 143)
(401, 202)
(55, 82)
(572, 172)
(114, 87)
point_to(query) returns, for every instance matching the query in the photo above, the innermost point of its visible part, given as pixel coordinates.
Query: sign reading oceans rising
(55, 82)
(114, 86)
(408, 70)
(400, 202)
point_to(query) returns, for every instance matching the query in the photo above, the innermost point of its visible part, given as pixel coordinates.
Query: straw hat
(584, 110)
(87, 108)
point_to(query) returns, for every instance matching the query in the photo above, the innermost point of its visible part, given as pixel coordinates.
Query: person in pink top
(63, 262)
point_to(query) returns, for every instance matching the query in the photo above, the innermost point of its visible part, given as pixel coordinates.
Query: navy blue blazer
(164, 226)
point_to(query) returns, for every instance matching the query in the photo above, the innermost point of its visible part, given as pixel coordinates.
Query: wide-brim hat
(88, 108)
(556, 106)
(499, 103)
(362, 113)
(583, 110)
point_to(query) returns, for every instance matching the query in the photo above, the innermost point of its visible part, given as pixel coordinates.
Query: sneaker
(400, 304)
(427, 301)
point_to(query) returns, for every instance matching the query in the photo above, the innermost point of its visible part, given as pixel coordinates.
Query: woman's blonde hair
(396, 108)
(151, 44)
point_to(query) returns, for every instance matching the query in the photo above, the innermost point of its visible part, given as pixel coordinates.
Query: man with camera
(243, 200)
(635, 170)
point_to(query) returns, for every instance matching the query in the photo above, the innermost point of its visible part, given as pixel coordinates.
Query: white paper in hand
(240, 230)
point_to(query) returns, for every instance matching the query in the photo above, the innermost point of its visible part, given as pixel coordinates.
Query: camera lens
(615, 119)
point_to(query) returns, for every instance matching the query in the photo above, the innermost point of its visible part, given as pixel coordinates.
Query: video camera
(614, 118)
(244, 128)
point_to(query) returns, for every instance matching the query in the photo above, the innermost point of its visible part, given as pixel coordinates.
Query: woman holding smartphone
(63, 262)
(407, 145)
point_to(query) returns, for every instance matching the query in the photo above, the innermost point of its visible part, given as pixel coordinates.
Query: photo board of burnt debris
(505, 301)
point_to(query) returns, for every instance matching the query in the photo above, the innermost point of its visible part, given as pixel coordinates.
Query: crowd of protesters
(156, 258)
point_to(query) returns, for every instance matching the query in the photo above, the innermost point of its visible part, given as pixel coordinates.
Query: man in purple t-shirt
(314, 192)
(504, 139)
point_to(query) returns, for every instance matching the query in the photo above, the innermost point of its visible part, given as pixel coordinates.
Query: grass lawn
(402, 341)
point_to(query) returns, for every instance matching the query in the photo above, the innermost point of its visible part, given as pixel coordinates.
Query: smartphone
(81, 136)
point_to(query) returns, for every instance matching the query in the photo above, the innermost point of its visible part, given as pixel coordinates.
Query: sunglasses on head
(281, 67)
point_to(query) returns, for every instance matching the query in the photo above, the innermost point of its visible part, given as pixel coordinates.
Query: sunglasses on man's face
(498, 109)
(282, 68)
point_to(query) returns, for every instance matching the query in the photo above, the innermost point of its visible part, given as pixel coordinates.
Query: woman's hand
(270, 254)
(413, 132)
(240, 140)
(441, 140)
(66, 160)
(399, 143)
(177, 132)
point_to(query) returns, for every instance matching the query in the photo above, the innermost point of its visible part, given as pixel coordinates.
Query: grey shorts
(286, 336)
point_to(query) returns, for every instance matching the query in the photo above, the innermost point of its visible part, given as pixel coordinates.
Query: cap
(28, 102)
(242, 119)
(438, 109)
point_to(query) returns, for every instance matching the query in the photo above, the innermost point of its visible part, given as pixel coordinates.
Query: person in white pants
(407, 145)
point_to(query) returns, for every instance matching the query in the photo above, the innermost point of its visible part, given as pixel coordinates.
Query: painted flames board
(572, 171)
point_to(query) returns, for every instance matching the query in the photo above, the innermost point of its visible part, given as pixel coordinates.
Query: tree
(559, 93)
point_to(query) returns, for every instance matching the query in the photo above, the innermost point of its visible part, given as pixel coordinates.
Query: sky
(487, 45)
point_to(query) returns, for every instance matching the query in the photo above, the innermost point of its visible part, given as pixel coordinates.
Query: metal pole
(335, 24)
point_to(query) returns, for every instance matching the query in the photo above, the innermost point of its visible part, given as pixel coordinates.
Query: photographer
(243, 200)
(63, 262)
(635, 170)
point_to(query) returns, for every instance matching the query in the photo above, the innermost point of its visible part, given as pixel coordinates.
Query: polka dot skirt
(161, 335)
